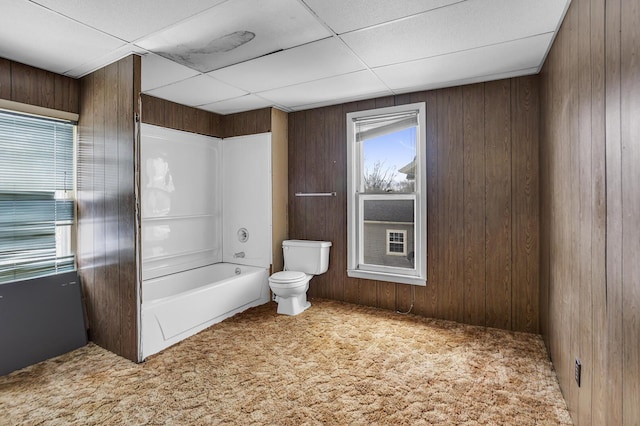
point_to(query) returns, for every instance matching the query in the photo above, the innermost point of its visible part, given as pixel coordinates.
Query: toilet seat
(287, 277)
(290, 290)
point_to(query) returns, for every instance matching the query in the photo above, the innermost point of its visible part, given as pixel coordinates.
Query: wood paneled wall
(107, 157)
(247, 123)
(590, 209)
(482, 203)
(33, 86)
(163, 113)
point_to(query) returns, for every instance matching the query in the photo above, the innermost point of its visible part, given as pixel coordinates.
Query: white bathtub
(180, 305)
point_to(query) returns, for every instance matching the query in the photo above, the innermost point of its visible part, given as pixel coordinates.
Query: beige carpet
(334, 364)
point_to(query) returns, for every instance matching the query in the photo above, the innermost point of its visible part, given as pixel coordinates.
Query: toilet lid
(288, 276)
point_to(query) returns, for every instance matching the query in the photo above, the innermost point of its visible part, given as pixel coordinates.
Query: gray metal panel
(39, 319)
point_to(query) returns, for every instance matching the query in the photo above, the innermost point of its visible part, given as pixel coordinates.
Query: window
(396, 240)
(37, 196)
(386, 202)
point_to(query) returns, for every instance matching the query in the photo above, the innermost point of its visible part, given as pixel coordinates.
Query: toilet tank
(310, 257)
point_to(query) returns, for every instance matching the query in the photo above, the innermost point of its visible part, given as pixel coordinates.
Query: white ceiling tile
(465, 25)
(312, 61)
(343, 16)
(460, 66)
(471, 80)
(112, 56)
(242, 103)
(158, 71)
(333, 89)
(126, 19)
(195, 91)
(212, 40)
(293, 62)
(36, 36)
(340, 101)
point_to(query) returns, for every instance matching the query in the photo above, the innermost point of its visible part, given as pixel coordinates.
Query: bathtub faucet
(239, 254)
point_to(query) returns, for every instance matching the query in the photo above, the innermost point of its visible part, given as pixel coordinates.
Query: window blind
(37, 199)
(380, 125)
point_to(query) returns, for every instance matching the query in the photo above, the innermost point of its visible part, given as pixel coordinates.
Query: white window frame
(389, 242)
(355, 201)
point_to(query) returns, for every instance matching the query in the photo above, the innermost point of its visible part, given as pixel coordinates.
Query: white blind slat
(36, 195)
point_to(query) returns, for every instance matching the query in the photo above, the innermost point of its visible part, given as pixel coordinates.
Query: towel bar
(315, 194)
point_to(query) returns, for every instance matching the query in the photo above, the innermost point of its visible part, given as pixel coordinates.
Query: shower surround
(206, 231)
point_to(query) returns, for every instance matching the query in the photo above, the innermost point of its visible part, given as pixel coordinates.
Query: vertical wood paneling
(102, 325)
(367, 292)
(246, 123)
(152, 110)
(630, 139)
(563, 242)
(498, 199)
(545, 210)
(426, 299)
(130, 77)
(160, 112)
(525, 234)
(106, 211)
(86, 204)
(584, 223)
(387, 101)
(336, 180)
(450, 204)
(263, 120)
(109, 117)
(297, 177)
(458, 123)
(34, 86)
(189, 121)
(570, 212)
(65, 93)
(386, 295)
(5, 79)
(174, 116)
(590, 208)
(614, 213)
(474, 206)
(215, 125)
(316, 159)
(204, 122)
(598, 243)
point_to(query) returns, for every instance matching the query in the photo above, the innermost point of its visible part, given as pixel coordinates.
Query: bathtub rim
(208, 284)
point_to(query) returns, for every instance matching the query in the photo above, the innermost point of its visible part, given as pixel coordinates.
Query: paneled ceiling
(228, 56)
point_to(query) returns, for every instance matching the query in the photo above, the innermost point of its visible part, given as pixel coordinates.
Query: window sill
(381, 276)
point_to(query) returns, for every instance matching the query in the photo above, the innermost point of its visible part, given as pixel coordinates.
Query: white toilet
(302, 260)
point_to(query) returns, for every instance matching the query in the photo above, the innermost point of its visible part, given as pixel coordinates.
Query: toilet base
(293, 305)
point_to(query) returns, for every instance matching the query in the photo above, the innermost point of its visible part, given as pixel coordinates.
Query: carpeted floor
(334, 364)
